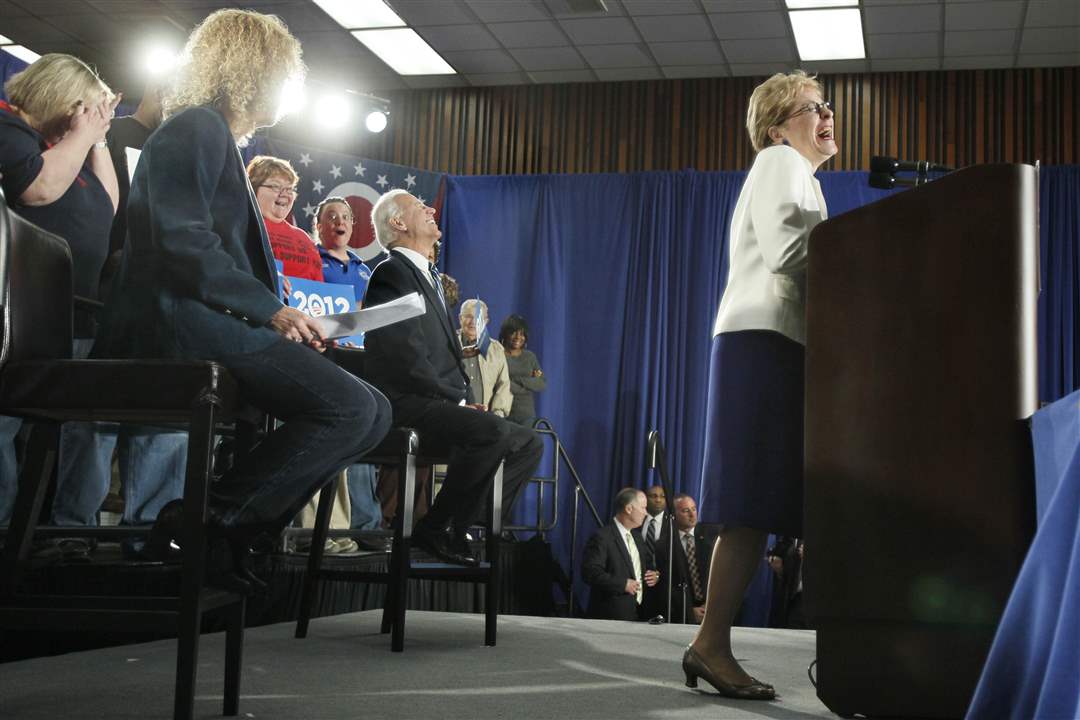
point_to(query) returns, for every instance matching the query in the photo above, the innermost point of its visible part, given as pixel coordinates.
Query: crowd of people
(181, 248)
(192, 275)
(635, 573)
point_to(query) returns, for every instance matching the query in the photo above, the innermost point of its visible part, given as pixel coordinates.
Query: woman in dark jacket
(198, 282)
(526, 377)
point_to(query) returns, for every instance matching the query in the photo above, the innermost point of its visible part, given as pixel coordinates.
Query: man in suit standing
(691, 557)
(613, 564)
(418, 366)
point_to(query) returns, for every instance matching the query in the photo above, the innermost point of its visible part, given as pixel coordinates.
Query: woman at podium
(752, 474)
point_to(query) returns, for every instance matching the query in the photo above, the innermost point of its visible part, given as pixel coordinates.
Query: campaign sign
(320, 298)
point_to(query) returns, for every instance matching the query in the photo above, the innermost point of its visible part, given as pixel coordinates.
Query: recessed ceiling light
(828, 34)
(5, 40)
(404, 51)
(807, 4)
(354, 14)
(25, 54)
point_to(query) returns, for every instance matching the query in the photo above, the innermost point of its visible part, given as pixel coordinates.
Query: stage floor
(542, 668)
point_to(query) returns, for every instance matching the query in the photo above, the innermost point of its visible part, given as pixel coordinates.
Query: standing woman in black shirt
(56, 172)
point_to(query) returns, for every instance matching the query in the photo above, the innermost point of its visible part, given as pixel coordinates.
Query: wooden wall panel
(956, 117)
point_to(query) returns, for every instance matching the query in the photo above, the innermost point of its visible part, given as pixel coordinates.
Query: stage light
(159, 60)
(333, 111)
(376, 121)
(293, 97)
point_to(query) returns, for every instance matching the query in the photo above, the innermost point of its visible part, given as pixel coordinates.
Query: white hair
(466, 307)
(383, 211)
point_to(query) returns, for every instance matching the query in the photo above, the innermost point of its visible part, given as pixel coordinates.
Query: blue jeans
(152, 464)
(365, 507)
(9, 474)
(329, 420)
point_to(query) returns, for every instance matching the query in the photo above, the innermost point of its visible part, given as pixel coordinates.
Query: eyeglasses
(334, 217)
(814, 107)
(279, 189)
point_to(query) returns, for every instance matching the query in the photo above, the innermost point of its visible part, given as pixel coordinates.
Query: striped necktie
(695, 573)
(437, 280)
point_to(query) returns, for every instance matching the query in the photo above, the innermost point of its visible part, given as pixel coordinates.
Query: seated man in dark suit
(613, 564)
(418, 365)
(691, 557)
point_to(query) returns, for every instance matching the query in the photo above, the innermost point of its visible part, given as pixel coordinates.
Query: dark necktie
(650, 537)
(435, 278)
(695, 574)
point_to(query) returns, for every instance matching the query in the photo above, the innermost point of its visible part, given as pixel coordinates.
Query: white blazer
(778, 206)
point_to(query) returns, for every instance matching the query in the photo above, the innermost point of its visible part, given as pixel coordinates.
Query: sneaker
(342, 547)
(76, 550)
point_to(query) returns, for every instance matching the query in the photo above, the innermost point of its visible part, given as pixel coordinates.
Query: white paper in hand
(362, 321)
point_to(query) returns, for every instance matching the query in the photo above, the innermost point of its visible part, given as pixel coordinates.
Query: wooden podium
(920, 371)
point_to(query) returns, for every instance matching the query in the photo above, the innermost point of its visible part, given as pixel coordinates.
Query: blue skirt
(752, 475)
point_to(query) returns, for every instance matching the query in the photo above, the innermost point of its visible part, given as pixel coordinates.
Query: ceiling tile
(680, 28)
(897, 19)
(977, 62)
(903, 45)
(904, 64)
(491, 11)
(979, 42)
(759, 69)
(481, 61)
(769, 50)
(688, 53)
(612, 56)
(565, 9)
(564, 76)
(301, 18)
(543, 33)
(1048, 59)
(600, 31)
(661, 7)
(983, 15)
(28, 30)
(834, 67)
(1052, 13)
(514, 78)
(617, 74)
(738, 26)
(557, 58)
(10, 10)
(53, 8)
(458, 37)
(434, 81)
(871, 3)
(723, 6)
(695, 71)
(1051, 40)
(431, 12)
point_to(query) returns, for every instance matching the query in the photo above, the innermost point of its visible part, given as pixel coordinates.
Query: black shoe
(440, 543)
(76, 549)
(508, 536)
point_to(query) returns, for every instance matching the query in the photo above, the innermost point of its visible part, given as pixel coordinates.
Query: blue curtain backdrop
(620, 276)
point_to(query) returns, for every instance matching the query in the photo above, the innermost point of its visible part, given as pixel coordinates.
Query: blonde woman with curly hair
(752, 473)
(198, 282)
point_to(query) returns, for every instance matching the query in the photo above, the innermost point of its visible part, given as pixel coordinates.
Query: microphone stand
(655, 459)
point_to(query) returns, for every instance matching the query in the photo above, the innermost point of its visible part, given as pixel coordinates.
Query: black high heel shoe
(694, 667)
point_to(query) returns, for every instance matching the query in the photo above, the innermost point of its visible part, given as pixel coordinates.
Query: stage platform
(541, 668)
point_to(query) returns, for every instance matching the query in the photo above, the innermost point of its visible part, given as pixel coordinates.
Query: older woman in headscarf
(198, 282)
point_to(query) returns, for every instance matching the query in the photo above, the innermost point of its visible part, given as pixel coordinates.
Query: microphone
(891, 166)
(650, 449)
(885, 181)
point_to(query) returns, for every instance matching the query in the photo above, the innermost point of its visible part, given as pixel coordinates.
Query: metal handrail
(579, 493)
